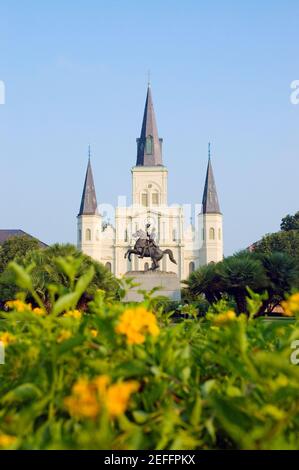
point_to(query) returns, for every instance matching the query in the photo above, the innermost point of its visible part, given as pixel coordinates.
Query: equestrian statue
(146, 247)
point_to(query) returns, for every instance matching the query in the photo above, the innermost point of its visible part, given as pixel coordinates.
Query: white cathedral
(192, 246)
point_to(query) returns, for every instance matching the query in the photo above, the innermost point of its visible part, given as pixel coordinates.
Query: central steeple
(149, 146)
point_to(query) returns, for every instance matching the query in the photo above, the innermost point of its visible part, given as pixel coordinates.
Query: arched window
(149, 145)
(155, 198)
(219, 234)
(88, 235)
(146, 267)
(174, 235)
(212, 233)
(144, 199)
(80, 236)
(108, 266)
(126, 235)
(191, 267)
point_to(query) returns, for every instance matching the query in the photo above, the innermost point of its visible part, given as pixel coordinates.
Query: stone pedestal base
(168, 283)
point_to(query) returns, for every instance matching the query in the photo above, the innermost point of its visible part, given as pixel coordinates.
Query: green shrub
(46, 270)
(119, 377)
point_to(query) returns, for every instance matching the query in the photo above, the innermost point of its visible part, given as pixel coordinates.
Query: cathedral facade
(193, 245)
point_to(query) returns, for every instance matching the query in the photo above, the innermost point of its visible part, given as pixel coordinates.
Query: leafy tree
(284, 242)
(46, 270)
(17, 246)
(8, 287)
(290, 222)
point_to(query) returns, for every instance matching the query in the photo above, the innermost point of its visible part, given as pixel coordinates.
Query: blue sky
(76, 73)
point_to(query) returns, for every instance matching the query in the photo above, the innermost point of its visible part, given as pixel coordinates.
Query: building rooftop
(5, 234)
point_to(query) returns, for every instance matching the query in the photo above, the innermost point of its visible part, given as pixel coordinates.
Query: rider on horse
(150, 241)
(146, 247)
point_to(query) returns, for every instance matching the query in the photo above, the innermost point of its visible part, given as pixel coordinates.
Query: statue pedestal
(168, 283)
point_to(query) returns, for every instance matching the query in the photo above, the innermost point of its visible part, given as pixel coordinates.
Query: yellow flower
(101, 383)
(90, 397)
(135, 323)
(39, 311)
(94, 333)
(224, 318)
(7, 339)
(7, 441)
(18, 306)
(118, 396)
(83, 403)
(64, 335)
(73, 314)
(291, 306)
(81, 387)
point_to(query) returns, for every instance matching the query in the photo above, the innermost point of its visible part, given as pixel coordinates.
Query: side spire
(210, 203)
(149, 146)
(89, 205)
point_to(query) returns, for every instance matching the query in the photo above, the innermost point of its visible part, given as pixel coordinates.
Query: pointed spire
(89, 205)
(149, 146)
(210, 203)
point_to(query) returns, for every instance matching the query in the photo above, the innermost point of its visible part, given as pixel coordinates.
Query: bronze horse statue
(145, 248)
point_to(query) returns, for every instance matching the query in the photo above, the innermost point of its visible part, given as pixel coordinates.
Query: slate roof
(210, 203)
(89, 205)
(6, 234)
(149, 131)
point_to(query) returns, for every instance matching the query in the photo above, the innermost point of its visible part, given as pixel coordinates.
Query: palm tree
(239, 272)
(206, 280)
(283, 275)
(47, 271)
